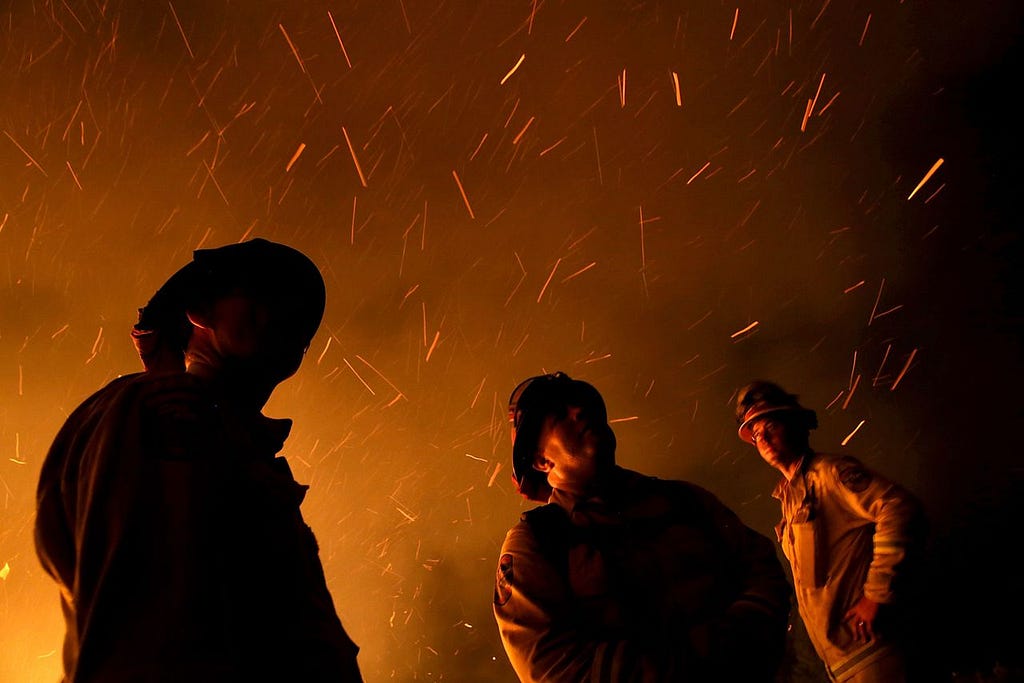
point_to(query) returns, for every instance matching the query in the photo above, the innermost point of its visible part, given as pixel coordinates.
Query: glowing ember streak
(479, 145)
(349, 366)
(74, 175)
(548, 281)
(96, 345)
(573, 32)
(850, 435)
(852, 390)
(355, 160)
(324, 352)
(924, 180)
(513, 69)
(833, 401)
(624, 419)
(294, 51)
(746, 329)
(816, 94)
(209, 172)
(878, 298)
(864, 33)
(379, 374)
(675, 85)
(853, 370)
(181, 30)
(552, 147)
(462, 191)
(298, 153)
(4, 221)
(473, 457)
(340, 42)
(906, 367)
(5, 571)
(433, 345)
(885, 357)
(579, 272)
(352, 239)
(853, 287)
(622, 88)
(21, 381)
(735, 20)
(701, 170)
(34, 163)
(807, 115)
(515, 140)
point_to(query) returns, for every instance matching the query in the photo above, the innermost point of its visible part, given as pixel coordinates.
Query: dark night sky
(606, 231)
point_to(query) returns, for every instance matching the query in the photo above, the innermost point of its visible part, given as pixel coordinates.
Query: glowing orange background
(569, 213)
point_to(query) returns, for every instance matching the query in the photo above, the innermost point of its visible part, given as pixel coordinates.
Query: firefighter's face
(778, 442)
(255, 334)
(575, 448)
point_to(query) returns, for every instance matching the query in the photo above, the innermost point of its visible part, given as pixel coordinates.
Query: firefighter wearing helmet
(620, 576)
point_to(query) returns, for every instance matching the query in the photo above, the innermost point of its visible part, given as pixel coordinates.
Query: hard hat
(760, 398)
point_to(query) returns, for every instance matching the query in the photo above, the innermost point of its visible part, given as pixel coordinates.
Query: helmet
(531, 401)
(761, 398)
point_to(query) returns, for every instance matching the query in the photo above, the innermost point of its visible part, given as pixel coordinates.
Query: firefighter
(164, 513)
(849, 535)
(621, 576)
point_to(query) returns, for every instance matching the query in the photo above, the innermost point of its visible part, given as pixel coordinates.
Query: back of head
(273, 273)
(761, 399)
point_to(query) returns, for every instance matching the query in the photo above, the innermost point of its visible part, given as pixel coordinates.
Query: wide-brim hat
(763, 409)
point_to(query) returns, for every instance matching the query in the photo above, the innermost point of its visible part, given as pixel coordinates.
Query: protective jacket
(846, 532)
(655, 580)
(175, 535)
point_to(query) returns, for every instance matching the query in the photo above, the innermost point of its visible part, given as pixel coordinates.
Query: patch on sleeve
(503, 580)
(855, 477)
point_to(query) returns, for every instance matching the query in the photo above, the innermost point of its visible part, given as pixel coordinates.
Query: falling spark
(850, 435)
(622, 88)
(885, 357)
(745, 329)
(74, 175)
(513, 69)
(578, 26)
(381, 375)
(4, 221)
(853, 287)
(878, 298)
(853, 370)
(352, 238)
(340, 42)
(735, 20)
(462, 191)
(349, 365)
(515, 140)
(473, 457)
(816, 95)
(34, 162)
(180, 30)
(294, 51)
(701, 170)
(548, 281)
(60, 331)
(833, 401)
(864, 33)
(479, 145)
(924, 180)
(21, 381)
(552, 147)
(579, 272)
(433, 345)
(675, 85)
(298, 153)
(324, 352)
(624, 419)
(906, 367)
(355, 160)
(533, 13)
(5, 571)
(849, 396)
(807, 115)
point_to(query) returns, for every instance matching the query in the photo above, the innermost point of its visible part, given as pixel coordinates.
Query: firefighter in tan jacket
(848, 534)
(623, 577)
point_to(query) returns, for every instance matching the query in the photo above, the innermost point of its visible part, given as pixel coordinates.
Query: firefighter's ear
(200, 318)
(540, 463)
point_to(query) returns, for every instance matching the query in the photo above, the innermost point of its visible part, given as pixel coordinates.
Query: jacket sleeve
(749, 640)
(543, 638)
(897, 516)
